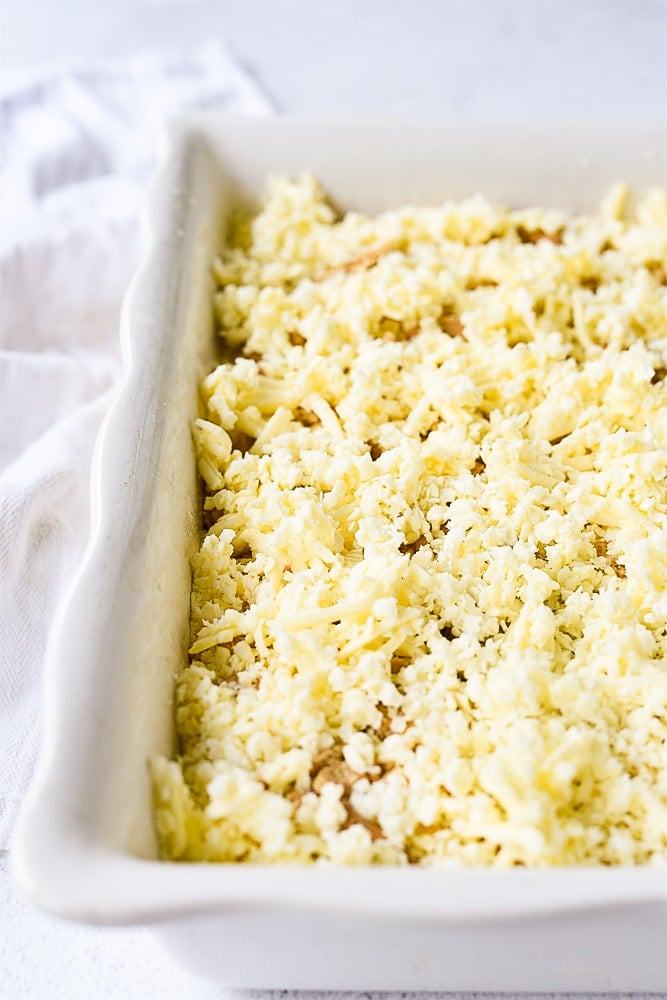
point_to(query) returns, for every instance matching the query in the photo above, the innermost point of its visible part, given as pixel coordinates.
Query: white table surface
(515, 60)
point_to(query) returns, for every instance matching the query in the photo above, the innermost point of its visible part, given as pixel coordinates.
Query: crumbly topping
(428, 612)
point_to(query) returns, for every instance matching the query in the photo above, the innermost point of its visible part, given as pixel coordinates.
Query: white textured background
(604, 59)
(479, 58)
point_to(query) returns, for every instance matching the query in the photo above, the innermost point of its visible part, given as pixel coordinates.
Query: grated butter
(429, 611)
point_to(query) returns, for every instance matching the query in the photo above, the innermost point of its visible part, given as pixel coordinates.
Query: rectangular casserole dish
(84, 846)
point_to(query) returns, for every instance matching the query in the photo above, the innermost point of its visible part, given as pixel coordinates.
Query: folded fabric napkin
(75, 153)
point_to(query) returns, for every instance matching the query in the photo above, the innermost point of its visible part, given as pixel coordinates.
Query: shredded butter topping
(429, 612)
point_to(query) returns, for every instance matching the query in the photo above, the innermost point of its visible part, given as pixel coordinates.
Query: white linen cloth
(75, 152)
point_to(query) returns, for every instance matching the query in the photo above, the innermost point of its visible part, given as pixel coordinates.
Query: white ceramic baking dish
(84, 846)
